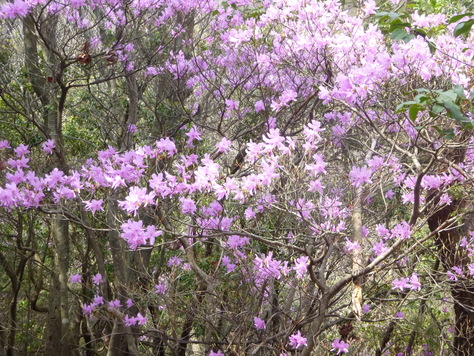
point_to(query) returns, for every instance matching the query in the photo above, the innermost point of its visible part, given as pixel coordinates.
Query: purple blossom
(259, 323)
(98, 300)
(217, 353)
(113, 304)
(22, 150)
(259, 106)
(226, 262)
(48, 146)
(407, 283)
(193, 135)
(93, 205)
(174, 261)
(87, 309)
(223, 145)
(297, 341)
(18, 8)
(400, 283)
(97, 279)
(187, 205)
(351, 246)
(160, 288)
(301, 265)
(389, 194)
(360, 175)
(151, 71)
(132, 128)
(340, 346)
(140, 319)
(399, 315)
(75, 278)
(401, 231)
(136, 234)
(4, 144)
(129, 320)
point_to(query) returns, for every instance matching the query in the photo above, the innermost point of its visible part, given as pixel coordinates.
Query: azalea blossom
(297, 341)
(340, 346)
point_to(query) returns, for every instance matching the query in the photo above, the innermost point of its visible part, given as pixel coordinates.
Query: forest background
(245, 177)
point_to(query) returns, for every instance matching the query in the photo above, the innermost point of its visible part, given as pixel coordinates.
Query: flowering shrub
(298, 163)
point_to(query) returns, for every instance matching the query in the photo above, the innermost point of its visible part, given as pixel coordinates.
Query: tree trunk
(452, 255)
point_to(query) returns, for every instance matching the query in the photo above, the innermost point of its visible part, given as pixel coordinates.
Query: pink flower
(75, 278)
(226, 262)
(174, 261)
(218, 353)
(48, 146)
(93, 205)
(400, 283)
(113, 304)
(97, 279)
(414, 282)
(259, 106)
(301, 265)
(98, 300)
(340, 346)
(132, 128)
(259, 323)
(140, 319)
(399, 315)
(389, 194)
(401, 231)
(87, 309)
(471, 269)
(151, 71)
(187, 205)
(223, 145)
(22, 150)
(369, 7)
(160, 288)
(16, 9)
(360, 175)
(351, 246)
(129, 321)
(297, 341)
(231, 104)
(193, 134)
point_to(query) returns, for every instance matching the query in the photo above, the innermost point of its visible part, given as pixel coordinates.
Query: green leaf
(463, 27)
(432, 47)
(420, 98)
(401, 107)
(422, 90)
(413, 111)
(448, 95)
(398, 34)
(437, 109)
(456, 113)
(447, 134)
(391, 15)
(398, 24)
(459, 90)
(408, 38)
(459, 17)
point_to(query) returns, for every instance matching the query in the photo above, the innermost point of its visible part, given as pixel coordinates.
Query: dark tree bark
(452, 255)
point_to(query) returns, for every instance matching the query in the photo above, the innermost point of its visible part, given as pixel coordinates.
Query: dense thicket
(236, 178)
